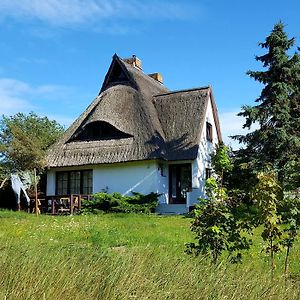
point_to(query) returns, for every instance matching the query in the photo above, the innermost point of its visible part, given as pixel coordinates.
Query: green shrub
(115, 202)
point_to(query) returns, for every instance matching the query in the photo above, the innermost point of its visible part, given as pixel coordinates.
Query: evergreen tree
(276, 141)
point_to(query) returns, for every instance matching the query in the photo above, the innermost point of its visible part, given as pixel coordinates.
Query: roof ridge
(140, 77)
(184, 90)
(143, 74)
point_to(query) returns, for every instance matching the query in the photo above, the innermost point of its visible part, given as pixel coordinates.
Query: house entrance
(180, 182)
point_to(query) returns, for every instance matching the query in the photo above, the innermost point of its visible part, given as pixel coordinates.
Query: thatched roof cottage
(138, 136)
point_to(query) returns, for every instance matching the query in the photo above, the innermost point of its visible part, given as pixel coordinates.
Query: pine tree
(276, 141)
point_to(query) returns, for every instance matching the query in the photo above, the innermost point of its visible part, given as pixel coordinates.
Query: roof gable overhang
(215, 115)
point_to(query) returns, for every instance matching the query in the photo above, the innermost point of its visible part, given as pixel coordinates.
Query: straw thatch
(155, 123)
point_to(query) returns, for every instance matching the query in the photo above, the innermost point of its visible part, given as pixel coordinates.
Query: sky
(54, 54)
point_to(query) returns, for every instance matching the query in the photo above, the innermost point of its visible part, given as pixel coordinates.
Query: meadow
(126, 256)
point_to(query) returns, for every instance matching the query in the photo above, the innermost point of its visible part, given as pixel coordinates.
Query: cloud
(10, 96)
(19, 96)
(12, 105)
(231, 125)
(78, 12)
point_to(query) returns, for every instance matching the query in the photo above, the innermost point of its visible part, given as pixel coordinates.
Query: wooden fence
(62, 204)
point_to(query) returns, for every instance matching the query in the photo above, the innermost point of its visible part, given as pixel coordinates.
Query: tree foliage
(24, 140)
(216, 225)
(218, 229)
(289, 211)
(267, 194)
(276, 141)
(265, 174)
(273, 145)
(221, 161)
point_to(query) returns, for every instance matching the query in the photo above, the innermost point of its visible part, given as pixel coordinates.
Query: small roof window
(99, 130)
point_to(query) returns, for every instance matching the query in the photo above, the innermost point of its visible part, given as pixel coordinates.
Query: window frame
(176, 194)
(209, 131)
(81, 181)
(208, 173)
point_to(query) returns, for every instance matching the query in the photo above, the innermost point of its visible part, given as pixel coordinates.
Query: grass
(130, 256)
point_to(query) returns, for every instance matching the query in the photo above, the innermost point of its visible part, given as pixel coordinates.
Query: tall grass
(123, 257)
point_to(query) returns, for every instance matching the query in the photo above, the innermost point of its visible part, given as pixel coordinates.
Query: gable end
(117, 74)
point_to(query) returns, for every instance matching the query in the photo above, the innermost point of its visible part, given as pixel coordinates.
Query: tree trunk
(286, 263)
(272, 259)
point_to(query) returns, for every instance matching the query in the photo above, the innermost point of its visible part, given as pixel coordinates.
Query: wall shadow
(176, 149)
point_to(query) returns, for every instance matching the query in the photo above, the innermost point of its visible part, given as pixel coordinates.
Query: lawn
(115, 256)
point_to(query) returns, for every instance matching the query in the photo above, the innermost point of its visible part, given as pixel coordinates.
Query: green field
(130, 256)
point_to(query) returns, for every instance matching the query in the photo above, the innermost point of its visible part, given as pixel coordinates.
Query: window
(117, 75)
(87, 182)
(162, 168)
(62, 183)
(208, 173)
(209, 135)
(74, 182)
(99, 130)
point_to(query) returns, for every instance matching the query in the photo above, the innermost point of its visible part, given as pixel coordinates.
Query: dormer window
(99, 130)
(118, 74)
(209, 133)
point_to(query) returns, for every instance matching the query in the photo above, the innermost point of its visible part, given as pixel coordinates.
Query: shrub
(115, 202)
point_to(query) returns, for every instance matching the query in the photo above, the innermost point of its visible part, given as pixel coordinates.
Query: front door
(180, 182)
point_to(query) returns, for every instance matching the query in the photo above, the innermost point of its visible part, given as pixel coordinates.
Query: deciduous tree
(24, 140)
(217, 226)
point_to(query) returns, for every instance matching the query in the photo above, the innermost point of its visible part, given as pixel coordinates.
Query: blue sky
(55, 53)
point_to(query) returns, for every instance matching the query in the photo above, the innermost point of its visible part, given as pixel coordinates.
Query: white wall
(126, 177)
(143, 177)
(163, 182)
(203, 160)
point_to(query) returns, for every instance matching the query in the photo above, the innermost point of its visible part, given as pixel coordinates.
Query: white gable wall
(203, 160)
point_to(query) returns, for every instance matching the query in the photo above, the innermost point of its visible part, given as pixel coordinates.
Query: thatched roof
(144, 120)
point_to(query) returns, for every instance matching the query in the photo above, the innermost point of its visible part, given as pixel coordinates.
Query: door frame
(177, 170)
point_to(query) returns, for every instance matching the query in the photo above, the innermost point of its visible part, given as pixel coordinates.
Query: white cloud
(11, 105)
(19, 96)
(231, 125)
(10, 96)
(78, 12)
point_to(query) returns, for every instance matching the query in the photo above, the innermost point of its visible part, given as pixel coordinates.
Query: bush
(115, 202)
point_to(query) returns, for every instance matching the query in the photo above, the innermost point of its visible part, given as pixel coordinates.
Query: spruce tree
(276, 141)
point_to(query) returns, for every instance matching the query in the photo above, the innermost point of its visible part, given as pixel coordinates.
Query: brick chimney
(134, 61)
(157, 77)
